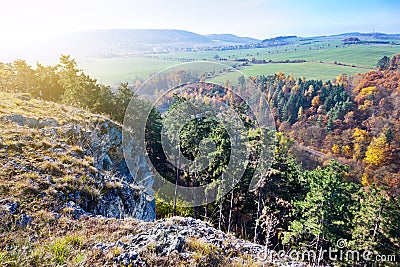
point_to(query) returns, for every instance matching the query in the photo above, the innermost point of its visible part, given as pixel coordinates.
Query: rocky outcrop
(30, 122)
(170, 235)
(132, 198)
(73, 209)
(98, 138)
(126, 202)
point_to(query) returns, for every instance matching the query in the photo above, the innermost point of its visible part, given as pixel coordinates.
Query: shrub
(59, 250)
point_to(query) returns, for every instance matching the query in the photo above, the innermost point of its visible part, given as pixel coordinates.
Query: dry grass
(34, 108)
(50, 242)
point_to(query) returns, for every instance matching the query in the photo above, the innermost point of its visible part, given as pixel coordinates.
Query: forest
(297, 204)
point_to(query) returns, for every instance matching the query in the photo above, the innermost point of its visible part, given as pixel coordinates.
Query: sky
(29, 20)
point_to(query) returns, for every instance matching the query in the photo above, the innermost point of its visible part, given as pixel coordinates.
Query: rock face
(126, 202)
(132, 198)
(100, 139)
(73, 209)
(169, 236)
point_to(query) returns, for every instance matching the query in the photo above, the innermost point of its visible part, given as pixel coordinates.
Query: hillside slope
(62, 174)
(71, 156)
(231, 38)
(354, 119)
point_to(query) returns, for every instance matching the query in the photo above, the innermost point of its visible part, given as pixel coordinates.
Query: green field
(112, 71)
(364, 56)
(361, 55)
(309, 70)
(320, 57)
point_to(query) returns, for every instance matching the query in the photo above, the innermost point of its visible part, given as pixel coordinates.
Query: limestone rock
(74, 209)
(9, 206)
(100, 139)
(24, 220)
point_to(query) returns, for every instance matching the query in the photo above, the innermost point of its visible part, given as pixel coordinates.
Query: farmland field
(112, 71)
(364, 56)
(320, 57)
(309, 70)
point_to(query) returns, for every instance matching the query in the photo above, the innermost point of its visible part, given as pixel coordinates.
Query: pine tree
(323, 216)
(376, 222)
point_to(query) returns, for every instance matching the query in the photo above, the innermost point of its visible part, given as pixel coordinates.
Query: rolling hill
(231, 38)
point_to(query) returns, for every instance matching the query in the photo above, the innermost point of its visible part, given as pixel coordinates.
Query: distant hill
(231, 38)
(128, 42)
(123, 41)
(280, 38)
(116, 42)
(117, 39)
(138, 36)
(134, 38)
(371, 35)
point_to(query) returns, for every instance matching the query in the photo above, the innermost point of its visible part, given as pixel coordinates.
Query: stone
(75, 209)
(135, 198)
(167, 238)
(130, 258)
(10, 207)
(31, 122)
(47, 122)
(24, 220)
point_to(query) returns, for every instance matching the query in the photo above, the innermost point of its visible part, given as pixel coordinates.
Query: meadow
(309, 70)
(325, 61)
(113, 71)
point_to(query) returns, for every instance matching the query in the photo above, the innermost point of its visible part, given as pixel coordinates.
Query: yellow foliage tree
(316, 101)
(364, 180)
(310, 90)
(375, 153)
(365, 97)
(284, 89)
(361, 139)
(281, 76)
(360, 135)
(366, 91)
(335, 149)
(300, 113)
(347, 150)
(367, 104)
(342, 79)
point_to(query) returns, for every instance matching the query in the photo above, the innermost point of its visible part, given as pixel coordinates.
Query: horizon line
(237, 35)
